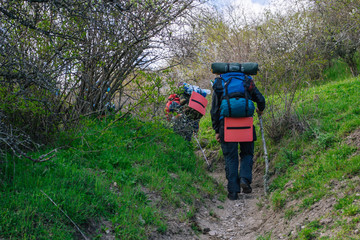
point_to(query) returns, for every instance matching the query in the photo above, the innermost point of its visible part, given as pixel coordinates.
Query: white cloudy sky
(257, 6)
(254, 4)
(253, 7)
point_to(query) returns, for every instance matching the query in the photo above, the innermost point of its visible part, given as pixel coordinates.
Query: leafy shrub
(283, 123)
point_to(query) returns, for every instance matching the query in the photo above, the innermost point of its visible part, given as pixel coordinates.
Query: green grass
(321, 151)
(313, 160)
(103, 175)
(338, 71)
(266, 237)
(206, 131)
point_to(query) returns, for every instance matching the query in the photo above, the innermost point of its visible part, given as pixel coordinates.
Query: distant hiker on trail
(231, 114)
(185, 116)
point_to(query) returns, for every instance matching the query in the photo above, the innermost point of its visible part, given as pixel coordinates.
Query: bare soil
(354, 139)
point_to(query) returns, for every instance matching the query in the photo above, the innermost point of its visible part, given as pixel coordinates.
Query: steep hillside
(112, 179)
(316, 184)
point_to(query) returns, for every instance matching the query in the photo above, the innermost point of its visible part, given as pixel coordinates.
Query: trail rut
(239, 219)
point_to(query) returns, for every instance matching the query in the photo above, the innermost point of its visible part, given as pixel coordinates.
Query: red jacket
(173, 102)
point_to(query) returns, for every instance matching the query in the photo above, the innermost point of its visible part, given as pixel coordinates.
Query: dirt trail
(239, 219)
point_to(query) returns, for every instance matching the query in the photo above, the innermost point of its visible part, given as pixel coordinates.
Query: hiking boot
(233, 195)
(244, 184)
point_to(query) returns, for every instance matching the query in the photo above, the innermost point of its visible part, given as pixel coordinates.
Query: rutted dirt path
(242, 219)
(239, 219)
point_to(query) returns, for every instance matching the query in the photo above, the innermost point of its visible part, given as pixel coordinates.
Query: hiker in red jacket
(171, 106)
(186, 121)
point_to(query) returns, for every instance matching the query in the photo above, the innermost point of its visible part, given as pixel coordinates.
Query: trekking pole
(266, 176)
(202, 150)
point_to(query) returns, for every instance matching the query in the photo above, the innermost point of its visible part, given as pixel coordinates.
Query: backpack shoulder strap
(218, 85)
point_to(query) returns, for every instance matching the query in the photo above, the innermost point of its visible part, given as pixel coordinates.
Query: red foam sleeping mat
(198, 102)
(238, 129)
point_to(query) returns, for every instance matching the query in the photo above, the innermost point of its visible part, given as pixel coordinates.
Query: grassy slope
(103, 177)
(314, 161)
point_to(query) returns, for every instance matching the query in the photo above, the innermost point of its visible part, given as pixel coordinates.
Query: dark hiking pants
(230, 151)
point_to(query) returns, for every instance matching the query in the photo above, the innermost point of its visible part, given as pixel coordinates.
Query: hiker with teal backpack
(231, 115)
